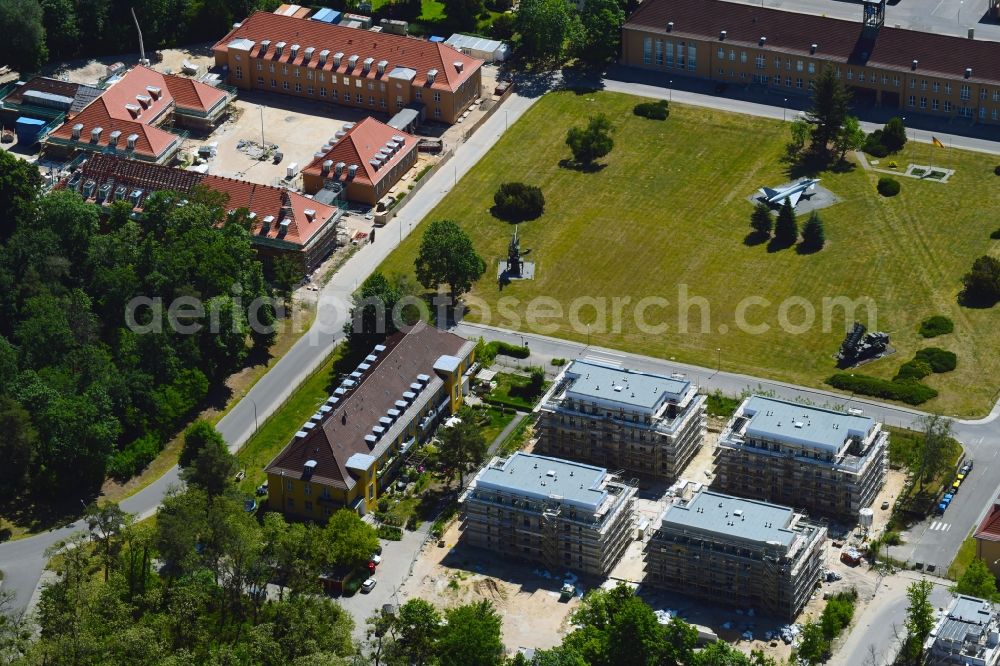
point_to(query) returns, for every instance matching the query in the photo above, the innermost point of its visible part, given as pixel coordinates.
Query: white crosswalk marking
(938, 526)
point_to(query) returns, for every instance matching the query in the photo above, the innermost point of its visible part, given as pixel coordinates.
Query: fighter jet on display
(793, 192)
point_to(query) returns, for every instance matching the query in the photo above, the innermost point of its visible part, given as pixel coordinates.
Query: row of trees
(786, 229)
(39, 30)
(613, 627)
(91, 379)
(550, 30)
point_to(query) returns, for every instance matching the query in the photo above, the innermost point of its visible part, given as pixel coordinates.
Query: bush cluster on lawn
(996, 169)
(533, 389)
(888, 187)
(653, 110)
(927, 361)
(935, 326)
(995, 235)
(558, 361)
(910, 391)
(517, 202)
(982, 283)
(890, 139)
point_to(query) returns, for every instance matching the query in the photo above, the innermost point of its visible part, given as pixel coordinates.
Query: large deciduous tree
(850, 136)
(19, 186)
(591, 142)
(447, 256)
(599, 38)
(463, 447)
(471, 636)
(544, 27)
(23, 46)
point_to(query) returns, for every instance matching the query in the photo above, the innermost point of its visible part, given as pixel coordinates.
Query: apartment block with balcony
(648, 425)
(558, 513)
(349, 452)
(967, 634)
(738, 552)
(820, 460)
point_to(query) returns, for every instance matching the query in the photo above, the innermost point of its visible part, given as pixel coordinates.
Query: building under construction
(736, 551)
(821, 460)
(649, 425)
(560, 514)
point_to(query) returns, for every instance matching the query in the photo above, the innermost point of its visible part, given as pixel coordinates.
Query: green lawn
(669, 210)
(963, 558)
(498, 420)
(277, 431)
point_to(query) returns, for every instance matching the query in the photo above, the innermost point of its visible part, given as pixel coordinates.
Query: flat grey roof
(966, 615)
(541, 477)
(447, 363)
(814, 427)
(403, 119)
(458, 40)
(630, 387)
(744, 519)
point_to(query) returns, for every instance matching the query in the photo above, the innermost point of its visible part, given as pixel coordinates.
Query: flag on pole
(937, 143)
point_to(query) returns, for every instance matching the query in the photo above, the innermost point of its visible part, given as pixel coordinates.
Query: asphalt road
(22, 561)
(876, 634)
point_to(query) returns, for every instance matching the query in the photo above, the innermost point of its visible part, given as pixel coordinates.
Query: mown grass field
(669, 210)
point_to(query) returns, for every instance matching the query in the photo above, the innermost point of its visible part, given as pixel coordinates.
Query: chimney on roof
(812, 48)
(325, 169)
(913, 66)
(670, 26)
(323, 55)
(968, 72)
(763, 40)
(263, 47)
(95, 134)
(77, 128)
(722, 35)
(154, 92)
(458, 65)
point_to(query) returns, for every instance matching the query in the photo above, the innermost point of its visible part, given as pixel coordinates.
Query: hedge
(909, 391)
(507, 349)
(652, 110)
(390, 533)
(914, 369)
(937, 325)
(938, 359)
(888, 187)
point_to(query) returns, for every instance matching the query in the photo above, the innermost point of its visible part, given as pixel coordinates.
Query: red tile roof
(989, 529)
(417, 54)
(362, 143)
(837, 40)
(262, 200)
(131, 107)
(342, 432)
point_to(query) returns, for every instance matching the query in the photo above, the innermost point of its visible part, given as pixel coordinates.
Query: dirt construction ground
(526, 599)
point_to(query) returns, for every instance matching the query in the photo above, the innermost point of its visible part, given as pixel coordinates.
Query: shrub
(413, 523)
(996, 169)
(892, 164)
(938, 359)
(874, 146)
(982, 283)
(558, 361)
(507, 349)
(813, 236)
(390, 533)
(909, 391)
(888, 187)
(383, 504)
(652, 110)
(995, 235)
(894, 135)
(517, 202)
(422, 173)
(131, 460)
(717, 404)
(914, 369)
(500, 6)
(935, 326)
